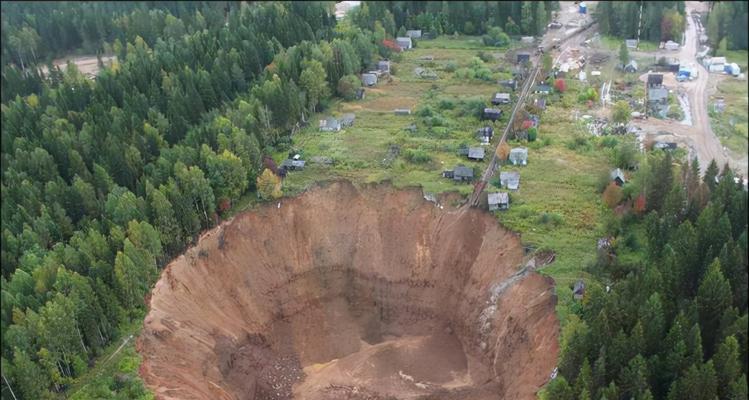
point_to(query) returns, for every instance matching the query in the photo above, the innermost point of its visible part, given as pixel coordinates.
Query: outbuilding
(617, 176)
(402, 111)
(542, 89)
(631, 66)
(492, 114)
(671, 45)
(347, 120)
(523, 57)
(292, 165)
(501, 98)
(369, 79)
(631, 43)
(578, 291)
(498, 201)
(414, 34)
(383, 66)
(330, 124)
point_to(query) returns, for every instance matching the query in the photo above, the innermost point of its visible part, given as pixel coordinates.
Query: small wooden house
(383, 66)
(492, 114)
(476, 153)
(404, 43)
(519, 156)
(510, 180)
(498, 201)
(459, 174)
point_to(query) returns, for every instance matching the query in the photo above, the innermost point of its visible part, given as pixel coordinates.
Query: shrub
(484, 56)
(609, 142)
(532, 134)
(417, 156)
(446, 104)
(552, 219)
(425, 112)
(625, 156)
(472, 106)
(579, 142)
(347, 86)
(612, 195)
(450, 66)
(560, 85)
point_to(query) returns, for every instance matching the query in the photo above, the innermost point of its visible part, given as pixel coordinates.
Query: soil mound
(351, 293)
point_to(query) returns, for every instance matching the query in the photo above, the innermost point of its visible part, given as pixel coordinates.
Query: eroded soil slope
(349, 293)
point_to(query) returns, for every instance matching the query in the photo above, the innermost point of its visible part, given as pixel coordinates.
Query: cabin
(498, 201)
(383, 66)
(519, 156)
(459, 174)
(402, 111)
(578, 291)
(404, 43)
(369, 79)
(347, 120)
(414, 34)
(360, 94)
(631, 66)
(491, 114)
(509, 180)
(617, 176)
(501, 98)
(476, 153)
(330, 124)
(291, 164)
(523, 57)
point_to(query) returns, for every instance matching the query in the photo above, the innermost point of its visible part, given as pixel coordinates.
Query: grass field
(557, 207)
(731, 125)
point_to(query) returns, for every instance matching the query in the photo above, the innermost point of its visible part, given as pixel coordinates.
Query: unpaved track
(351, 293)
(700, 135)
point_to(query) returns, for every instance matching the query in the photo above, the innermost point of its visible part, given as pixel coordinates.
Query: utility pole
(639, 26)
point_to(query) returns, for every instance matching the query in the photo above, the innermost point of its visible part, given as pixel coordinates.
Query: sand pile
(349, 293)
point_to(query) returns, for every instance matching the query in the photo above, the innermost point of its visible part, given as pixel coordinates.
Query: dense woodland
(105, 181)
(727, 25)
(448, 17)
(661, 20)
(673, 323)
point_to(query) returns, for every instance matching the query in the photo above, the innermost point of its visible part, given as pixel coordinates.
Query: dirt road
(699, 135)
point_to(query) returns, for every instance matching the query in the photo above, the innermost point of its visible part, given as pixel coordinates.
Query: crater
(351, 292)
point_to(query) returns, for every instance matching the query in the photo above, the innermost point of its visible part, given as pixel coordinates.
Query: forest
(671, 322)
(661, 20)
(105, 181)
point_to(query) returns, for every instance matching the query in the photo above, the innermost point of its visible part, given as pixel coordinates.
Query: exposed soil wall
(350, 293)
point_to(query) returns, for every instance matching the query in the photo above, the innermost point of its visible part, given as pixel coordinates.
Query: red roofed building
(390, 44)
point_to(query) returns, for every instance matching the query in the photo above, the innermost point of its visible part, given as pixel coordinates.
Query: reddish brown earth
(351, 293)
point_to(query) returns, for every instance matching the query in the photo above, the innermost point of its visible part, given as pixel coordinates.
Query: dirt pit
(351, 293)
